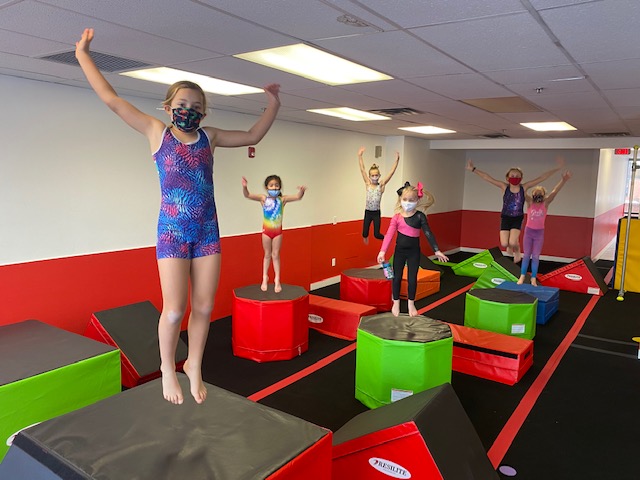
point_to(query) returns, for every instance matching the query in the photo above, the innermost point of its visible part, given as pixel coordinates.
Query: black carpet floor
(584, 424)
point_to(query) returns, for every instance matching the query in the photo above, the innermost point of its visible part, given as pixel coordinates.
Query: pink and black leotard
(407, 249)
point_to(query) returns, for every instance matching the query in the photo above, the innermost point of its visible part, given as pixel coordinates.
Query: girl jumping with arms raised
(273, 203)
(188, 247)
(537, 205)
(512, 203)
(374, 186)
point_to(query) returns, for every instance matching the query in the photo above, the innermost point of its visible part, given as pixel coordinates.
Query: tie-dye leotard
(272, 212)
(188, 221)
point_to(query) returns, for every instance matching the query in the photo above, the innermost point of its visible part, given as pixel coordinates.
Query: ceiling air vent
(396, 111)
(494, 135)
(611, 134)
(104, 62)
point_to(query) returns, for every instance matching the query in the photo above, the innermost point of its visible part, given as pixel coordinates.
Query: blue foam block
(548, 298)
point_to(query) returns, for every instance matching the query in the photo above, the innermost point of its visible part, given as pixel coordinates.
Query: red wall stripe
(605, 227)
(568, 237)
(66, 291)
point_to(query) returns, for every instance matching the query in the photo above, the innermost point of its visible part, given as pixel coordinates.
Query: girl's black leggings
(407, 252)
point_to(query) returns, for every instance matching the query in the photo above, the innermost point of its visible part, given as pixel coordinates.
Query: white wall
(577, 197)
(74, 179)
(440, 171)
(612, 177)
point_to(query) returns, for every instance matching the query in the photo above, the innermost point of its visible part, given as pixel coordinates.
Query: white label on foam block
(593, 291)
(573, 276)
(518, 328)
(497, 281)
(397, 394)
(315, 318)
(389, 468)
(480, 265)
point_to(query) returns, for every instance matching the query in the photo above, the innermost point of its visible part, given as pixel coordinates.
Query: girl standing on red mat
(273, 203)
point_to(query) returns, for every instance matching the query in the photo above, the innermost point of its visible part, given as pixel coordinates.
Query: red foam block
(269, 326)
(493, 356)
(581, 276)
(337, 318)
(366, 286)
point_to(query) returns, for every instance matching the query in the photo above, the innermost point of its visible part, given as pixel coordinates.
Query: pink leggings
(531, 248)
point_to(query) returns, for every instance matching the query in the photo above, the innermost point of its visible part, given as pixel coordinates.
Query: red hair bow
(419, 188)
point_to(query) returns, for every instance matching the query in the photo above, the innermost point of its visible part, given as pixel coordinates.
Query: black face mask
(538, 198)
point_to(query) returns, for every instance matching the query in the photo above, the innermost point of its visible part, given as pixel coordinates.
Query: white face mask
(408, 206)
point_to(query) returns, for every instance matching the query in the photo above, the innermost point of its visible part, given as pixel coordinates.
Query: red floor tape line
(444, 299)
(505, 438)
(265, 392)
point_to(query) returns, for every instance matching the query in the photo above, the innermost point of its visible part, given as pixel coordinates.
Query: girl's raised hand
(272, 90)
(85, 40)
(244, 182)
(360, 151)
(469, 165)
(566, 175)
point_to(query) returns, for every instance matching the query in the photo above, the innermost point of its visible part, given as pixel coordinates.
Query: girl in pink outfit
(409, 219)
(537, 205)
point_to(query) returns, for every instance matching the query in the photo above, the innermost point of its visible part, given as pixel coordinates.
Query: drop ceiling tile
(461, 86)
(614, 74)
(595, 31)
(515, 41)
(185, 22)
(308, 20)
(398, 91)
(551, 88)
(577, 100)
(414, 13)
(529, 75)
(388, 52)
(64, 26)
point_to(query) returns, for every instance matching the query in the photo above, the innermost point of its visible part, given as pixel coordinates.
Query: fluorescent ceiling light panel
(427, 130)
(347, 113)
(309, 62)
(170, 76)
(549, 126)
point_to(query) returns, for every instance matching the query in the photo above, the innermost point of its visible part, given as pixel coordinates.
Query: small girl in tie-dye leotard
(273, 203)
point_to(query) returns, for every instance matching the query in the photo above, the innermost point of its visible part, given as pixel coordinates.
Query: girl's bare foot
(517, 256)
(171, 387)
(521, 280)
(534, 282)
(412, 308)
(265, 281)
(277, 287)
(365, 240)
(198, 390)
(395, 309)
